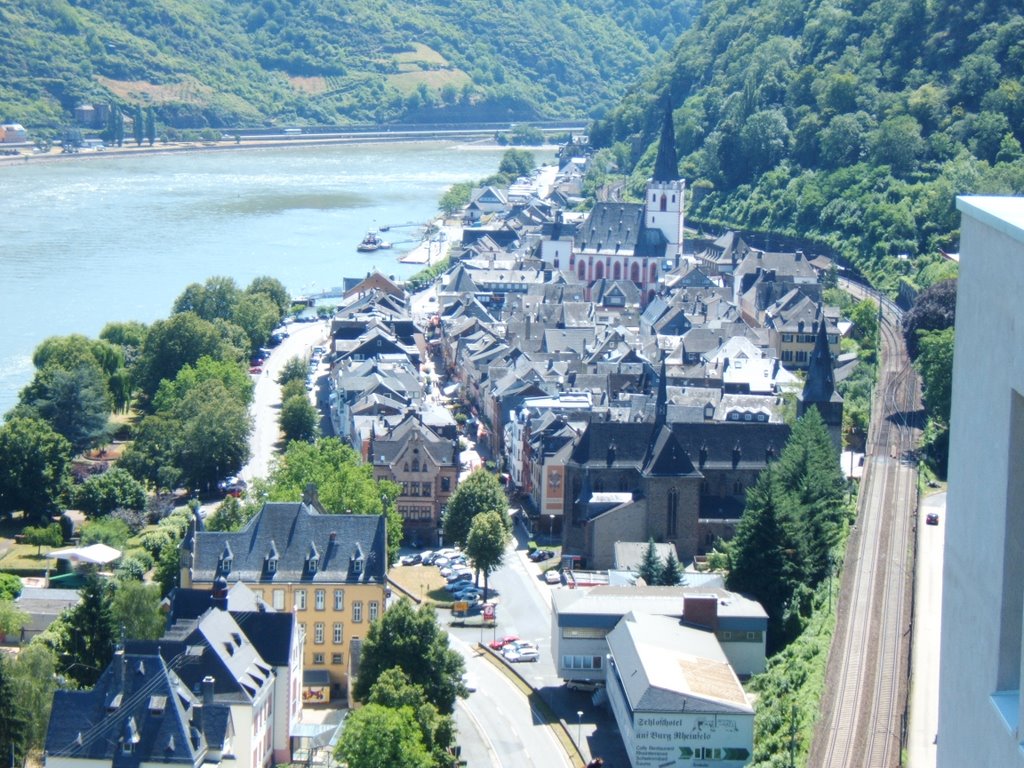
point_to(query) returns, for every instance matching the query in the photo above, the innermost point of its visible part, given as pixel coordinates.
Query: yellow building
(331, 570)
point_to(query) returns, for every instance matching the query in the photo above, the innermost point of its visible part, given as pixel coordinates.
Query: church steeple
(666, 164)
(820, 386)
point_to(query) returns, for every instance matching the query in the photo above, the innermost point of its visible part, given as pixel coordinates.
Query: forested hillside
(237, 63)
(854, 122)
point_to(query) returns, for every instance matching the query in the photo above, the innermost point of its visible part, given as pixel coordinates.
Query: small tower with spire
(666, 191)
(820, 386)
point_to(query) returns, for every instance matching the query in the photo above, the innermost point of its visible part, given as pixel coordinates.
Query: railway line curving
(863, 709)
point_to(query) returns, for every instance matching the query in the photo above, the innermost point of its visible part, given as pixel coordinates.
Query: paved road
(266, 436)
(924, 681)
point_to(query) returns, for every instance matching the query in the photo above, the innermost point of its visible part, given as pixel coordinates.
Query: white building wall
(983, 578)
(746, 658)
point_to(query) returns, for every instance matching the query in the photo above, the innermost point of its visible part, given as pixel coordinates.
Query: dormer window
(312, 559)
(226, 558)
(357, 560)
(272, 558)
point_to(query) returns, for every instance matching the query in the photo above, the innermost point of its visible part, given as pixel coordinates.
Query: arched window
(598, 271)
(654, 197)
(673, 514)
(654, 273)
(415, 465)
(634, 273)
(664, 202)
(737, 487)
(617, 271)
(673, 198)
(583, 271)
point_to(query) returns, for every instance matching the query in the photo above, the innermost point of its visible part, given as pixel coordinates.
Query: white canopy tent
(94, 554)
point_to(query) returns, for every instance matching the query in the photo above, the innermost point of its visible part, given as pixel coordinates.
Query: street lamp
(579, 727)
(551, 528)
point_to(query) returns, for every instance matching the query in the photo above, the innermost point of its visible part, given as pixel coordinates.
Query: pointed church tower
(820, 387)
(666, 191)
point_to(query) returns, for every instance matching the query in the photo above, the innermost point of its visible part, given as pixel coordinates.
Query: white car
(525, 654)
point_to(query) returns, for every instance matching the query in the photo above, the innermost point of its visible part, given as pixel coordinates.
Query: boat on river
(372, 242)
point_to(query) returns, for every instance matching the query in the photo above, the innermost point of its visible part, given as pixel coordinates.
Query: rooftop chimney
(701, 611)
(207, 691)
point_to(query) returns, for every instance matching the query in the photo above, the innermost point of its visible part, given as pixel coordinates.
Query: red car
(256, 370)
(501, 642)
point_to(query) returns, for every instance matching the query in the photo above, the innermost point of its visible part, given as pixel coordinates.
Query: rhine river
(90, 240)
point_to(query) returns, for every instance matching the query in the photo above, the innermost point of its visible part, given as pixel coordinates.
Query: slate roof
(137, 698)
(619, 228)
(294, 528)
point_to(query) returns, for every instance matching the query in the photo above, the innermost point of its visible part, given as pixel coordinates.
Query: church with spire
(680, 483)
(819, 390)
(637, 242)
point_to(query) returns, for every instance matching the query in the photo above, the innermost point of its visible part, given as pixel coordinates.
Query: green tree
(75, 402)
(106, 530)
(478, 493)
(152, 455)
(230, 515)
(214, 435)
(10, 586)
(138, 126)
(274, 288)
(651, 568)
(114, 489)
(150, 126)
(455, 198)
(485, 544)
(379, 737)
(178, 341)
(411, 640)
(12, 618)
(229, 373)
(298, 419)
(344, 483)
(759, 553)
(43, 536)
(34, 466)
(13, 718)
(293, 370)
(136, 608)
(517, 162)
(935, 364)
(91, 632)
(34, 673)
(672, 573)
(864, 316)
(212, 300)
(257, 315)
(393, 690)
(934, 310)
(168, 572)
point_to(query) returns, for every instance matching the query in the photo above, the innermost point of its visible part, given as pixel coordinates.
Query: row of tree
(794, 516)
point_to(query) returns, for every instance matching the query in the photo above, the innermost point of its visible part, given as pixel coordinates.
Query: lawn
(423, 581)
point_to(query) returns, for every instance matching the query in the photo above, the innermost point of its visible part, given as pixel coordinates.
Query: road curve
(863, 708)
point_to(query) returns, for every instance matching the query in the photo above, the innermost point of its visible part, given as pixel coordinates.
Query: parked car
(540, 555)
(459, 576)
(233, 486)
(256, 370)
(427, 557)
(501, 642)
(932, 518)
(440, 561)
(410, 559)
(589, 686)
(524, 654)
(553, 576)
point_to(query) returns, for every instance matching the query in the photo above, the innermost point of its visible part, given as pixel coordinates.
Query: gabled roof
(137, 700)
(294, 527)
(619, 228)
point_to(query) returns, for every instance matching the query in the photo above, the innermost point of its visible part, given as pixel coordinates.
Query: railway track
(862, 721)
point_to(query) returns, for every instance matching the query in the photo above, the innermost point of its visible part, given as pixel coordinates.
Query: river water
(89, 240)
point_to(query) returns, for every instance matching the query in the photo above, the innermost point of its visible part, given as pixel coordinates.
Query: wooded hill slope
(854, 122)
(238, 63)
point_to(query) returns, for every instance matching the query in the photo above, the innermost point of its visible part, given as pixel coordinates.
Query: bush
(142, 556)
(102, 494)
(133, 518)
(154, 541)
(106, 530)
(10, 586)
(130, 569)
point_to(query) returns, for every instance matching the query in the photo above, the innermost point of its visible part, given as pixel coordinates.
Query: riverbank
(354, 139)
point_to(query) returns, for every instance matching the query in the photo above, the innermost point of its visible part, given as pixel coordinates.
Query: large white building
(982, 653)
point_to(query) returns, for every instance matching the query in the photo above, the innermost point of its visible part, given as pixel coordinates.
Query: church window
(598, 271)
(664, 203)
(673, 514)
(737, 487)
(654, 273)
(617, 271)
(673, 198)
(583, 271)
(415, 465)
(634, 273)
(654, 197)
